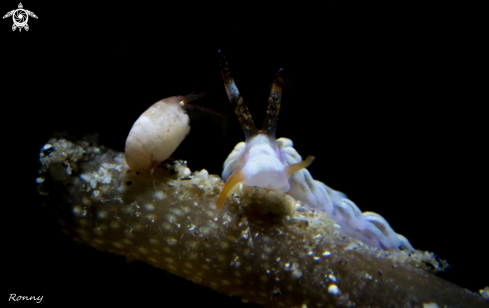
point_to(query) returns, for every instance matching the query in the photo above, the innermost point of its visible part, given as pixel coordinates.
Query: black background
(388, 99)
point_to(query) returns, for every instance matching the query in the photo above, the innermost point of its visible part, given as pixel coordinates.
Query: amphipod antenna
(271, 118)
(242, 112)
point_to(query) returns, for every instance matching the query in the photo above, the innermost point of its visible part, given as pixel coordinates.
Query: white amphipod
(266, 162)
(158, 132)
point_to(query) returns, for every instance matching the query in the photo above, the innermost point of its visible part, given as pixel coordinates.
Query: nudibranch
(158, 132)
(264, 161)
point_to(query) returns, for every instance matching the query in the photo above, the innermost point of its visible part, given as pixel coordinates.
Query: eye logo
(20, 17)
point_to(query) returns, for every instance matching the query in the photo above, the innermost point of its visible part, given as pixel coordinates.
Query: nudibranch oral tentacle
(274, 164)
(158, 132)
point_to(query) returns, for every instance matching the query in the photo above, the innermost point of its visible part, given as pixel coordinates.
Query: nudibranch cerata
(264, 161)
(158, 132)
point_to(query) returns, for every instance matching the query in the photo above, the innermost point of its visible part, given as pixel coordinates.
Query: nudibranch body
(158, 132)
(264, 161)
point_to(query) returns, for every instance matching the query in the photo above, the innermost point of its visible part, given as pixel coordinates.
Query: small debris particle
(333, 289)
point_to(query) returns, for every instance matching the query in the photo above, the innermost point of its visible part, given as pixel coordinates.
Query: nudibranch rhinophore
(263, 161)
(158, 132)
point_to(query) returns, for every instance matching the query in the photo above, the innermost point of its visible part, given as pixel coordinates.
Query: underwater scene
(303, 162)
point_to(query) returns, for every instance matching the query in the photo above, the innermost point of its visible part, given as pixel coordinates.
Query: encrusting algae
(262, 246)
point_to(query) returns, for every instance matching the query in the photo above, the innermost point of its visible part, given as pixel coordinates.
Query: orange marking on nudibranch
(300, 165)
(232, 181)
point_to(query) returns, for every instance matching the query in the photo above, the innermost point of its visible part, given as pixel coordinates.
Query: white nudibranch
(158, 132)
(264, 161)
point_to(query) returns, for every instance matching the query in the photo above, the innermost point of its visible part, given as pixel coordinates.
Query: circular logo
(20, 18)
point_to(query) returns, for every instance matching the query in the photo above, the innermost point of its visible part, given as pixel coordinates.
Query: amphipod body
(158, 132)
(264, 161)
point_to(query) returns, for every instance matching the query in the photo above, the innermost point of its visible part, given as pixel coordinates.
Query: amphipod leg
(233, 180)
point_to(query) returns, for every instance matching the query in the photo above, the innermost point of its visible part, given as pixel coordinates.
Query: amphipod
(264, 161)
(158, 132)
